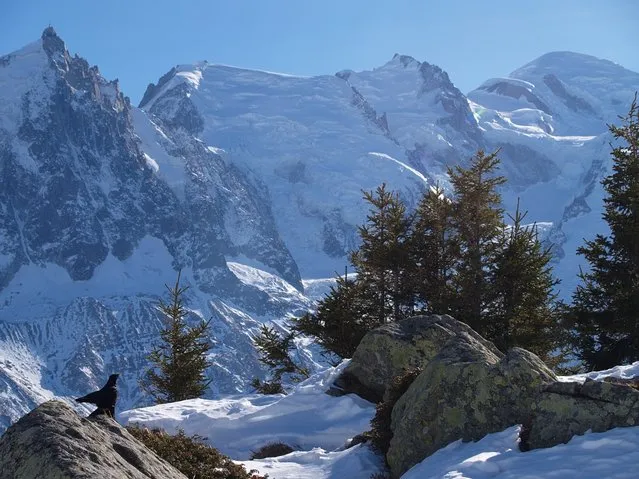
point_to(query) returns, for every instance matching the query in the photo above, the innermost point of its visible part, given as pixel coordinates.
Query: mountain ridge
(248, 181)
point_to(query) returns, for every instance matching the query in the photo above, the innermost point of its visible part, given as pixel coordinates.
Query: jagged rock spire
(51, 42)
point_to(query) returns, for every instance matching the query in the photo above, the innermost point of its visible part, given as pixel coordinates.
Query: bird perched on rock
(105, 398)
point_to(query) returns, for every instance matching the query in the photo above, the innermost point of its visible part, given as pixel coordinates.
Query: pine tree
(605, 307)
(478, 221)
(523, 310)
(434, 251)
(274, 350)
(383, 260)
(179, 363)
(340, 321)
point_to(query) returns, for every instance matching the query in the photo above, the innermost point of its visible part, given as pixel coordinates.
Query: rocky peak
(434, 77)
(51, 42)
(404, 60)
(152, 90)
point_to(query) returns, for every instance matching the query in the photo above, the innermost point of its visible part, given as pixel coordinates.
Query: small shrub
(362, 438)
(268, 387)
(191, 456)
(272, 449)
(524, 435)
(381, 433)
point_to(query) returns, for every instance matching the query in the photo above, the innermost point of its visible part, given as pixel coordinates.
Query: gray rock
(465, 392)
(390, 350)
(568, 409)
(54, 442)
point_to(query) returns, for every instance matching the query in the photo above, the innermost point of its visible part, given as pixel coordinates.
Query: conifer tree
(341, 319)
(605, 307)
(522, 311)
(478, 221)
(434, 251)
(274, 351)
(383, 261)
(179, 363)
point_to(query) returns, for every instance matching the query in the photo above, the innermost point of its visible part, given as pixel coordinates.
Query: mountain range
(250, 182)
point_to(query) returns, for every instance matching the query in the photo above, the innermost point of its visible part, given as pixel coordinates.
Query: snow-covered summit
(572, 66)
(578, 93)
(314, 143)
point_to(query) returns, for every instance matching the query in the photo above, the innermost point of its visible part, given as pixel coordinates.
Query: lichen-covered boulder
(465, 392)
(392, 349)
(567, 409)
(53, 442)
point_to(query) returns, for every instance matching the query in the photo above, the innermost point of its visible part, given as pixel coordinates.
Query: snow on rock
(612, 454)
(307, 418)
(624, 372)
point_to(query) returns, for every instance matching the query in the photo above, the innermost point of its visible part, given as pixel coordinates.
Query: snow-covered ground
(318, 426)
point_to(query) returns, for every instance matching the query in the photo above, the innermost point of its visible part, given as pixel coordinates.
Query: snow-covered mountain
(560, 105)
(102, 203)
(250, 182)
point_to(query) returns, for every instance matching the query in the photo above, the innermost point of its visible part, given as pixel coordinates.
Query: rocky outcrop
(54, 442)
(568, 409)
(465, 392)
(468, 388)
(389, 350)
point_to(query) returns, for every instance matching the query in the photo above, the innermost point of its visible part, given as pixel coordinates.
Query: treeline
(461, 255)
(465, 256)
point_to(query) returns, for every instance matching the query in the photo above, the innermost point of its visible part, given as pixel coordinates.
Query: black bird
(105, 398)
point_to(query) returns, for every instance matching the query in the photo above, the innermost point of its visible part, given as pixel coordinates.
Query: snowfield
(319, 426)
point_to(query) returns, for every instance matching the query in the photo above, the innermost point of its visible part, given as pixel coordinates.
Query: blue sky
(139, 40)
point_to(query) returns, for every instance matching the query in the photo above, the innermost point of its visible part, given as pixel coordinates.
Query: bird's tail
(82, 399)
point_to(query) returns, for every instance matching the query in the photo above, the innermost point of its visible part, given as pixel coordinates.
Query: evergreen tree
(274, 350)
(478, 221)
(605, 307)
(434, 251)
(340, 321)
(523, 311)
(383, 260)
(179, 363)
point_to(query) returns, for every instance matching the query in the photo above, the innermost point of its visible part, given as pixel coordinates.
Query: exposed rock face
(568, 409)
(390, 350)
(465, 392)
(54, 442)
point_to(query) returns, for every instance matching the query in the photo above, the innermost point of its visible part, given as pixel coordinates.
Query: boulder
(468, 388)
(394, 348)
(567, 409)
(52, 441)
(465, 392)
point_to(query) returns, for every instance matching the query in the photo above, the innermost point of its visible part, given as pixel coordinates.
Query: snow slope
(612, 454)
(318, 426)
(316, 142)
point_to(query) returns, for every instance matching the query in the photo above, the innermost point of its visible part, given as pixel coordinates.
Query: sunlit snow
(318, 426)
